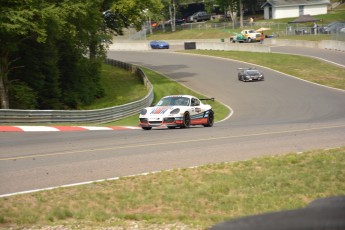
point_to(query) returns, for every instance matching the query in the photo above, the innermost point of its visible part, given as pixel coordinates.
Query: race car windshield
(253, 72)
(172, 101)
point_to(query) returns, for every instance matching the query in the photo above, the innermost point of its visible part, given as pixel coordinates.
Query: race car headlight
(175, 111)
(143, 111)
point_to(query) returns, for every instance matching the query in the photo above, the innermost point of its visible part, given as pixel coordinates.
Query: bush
(21, 96)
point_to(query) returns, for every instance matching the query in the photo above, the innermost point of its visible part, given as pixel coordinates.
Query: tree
(53, 49)
(19, 20)
(230, 7)
(172, 13)
(241, 13)
(39, 72)
(251, 4)
(132, 12)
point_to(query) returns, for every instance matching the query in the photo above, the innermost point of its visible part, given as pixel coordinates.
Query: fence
(276, 29)
(299, 29)
(83, 116)
(227, 26)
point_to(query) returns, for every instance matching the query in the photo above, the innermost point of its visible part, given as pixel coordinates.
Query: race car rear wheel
(186, 120)
(210, 119)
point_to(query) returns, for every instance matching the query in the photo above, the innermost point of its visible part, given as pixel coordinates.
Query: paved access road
(280, 115)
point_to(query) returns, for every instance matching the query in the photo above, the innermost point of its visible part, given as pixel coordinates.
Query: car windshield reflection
(173, 101)
(252, 72)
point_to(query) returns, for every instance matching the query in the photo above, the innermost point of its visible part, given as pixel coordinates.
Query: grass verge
(306, 68)
(226, 34)
(195, 198)
(191, 34)
(120, 86)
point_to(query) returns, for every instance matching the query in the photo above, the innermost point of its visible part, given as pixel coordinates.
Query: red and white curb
(61, 128)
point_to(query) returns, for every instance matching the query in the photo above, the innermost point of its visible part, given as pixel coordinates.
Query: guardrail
(83, 116)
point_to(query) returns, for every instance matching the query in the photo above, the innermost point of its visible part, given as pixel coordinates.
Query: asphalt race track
(279, 115)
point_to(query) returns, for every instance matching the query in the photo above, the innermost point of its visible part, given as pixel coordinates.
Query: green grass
(191, 34)
(120, 87)
(195, 197)
(227, 33)
(337, 14)
(298, 66)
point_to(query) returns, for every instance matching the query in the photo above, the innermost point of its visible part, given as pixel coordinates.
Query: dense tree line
(51, 50)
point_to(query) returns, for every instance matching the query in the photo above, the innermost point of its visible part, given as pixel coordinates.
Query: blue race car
(159, 45)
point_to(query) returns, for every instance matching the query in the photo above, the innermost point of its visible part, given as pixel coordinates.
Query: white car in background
(177, 111)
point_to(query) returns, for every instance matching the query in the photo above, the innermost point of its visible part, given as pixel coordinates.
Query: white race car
(177, 111)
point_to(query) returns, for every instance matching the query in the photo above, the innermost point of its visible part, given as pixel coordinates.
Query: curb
(62, 128)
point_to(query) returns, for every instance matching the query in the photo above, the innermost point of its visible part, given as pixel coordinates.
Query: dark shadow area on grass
(321, 214)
